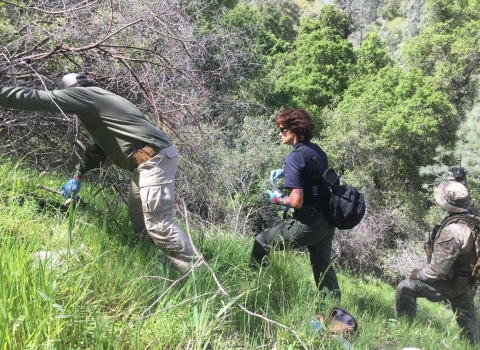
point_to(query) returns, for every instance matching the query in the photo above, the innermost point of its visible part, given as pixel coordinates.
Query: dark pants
(460, 297)
(316, 235)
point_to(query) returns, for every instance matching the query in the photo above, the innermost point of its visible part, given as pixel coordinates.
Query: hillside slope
(105, 288)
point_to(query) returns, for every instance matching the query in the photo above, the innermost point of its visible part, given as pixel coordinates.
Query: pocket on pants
(162, 170)
(171, 152)
(157, 198)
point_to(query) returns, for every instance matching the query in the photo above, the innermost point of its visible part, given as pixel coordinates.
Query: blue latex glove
(276, 174)
(71, 188)
(272, 195)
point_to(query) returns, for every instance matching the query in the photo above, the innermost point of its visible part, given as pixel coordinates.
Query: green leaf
(58, 307)
(227, 306)
(43, 295)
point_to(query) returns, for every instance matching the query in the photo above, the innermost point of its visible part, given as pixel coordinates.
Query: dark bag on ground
(347, 204)
(339, 321)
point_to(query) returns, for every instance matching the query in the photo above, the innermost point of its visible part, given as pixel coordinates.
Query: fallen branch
(223, 291)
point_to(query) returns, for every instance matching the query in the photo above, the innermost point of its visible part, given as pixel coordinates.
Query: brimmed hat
(452, 196)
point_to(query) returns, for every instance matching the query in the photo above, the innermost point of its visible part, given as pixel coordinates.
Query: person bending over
(119, 130)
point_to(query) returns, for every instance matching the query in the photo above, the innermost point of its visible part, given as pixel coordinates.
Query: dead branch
(223, 291)
(53, 12)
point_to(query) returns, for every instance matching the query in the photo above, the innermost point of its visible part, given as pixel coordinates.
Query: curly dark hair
(298, 121)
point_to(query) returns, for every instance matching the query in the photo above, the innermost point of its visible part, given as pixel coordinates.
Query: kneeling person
(448, 275)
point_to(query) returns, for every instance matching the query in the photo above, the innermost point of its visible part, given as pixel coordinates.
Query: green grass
(308, 6)
(107, 290)
(396, 24)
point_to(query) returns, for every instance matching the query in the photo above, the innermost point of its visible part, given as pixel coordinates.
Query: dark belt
(145, 154)
(306, 214)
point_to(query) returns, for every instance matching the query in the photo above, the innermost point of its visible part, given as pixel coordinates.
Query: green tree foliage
(280, 20)
(468, 143)
(468, 146)
(217, 4)
(331, 22)
(449, 48)
(387, 125)
(315, 74)
(206, 11)
(372, 55)
(390, 9)
(455, 13)
(265, 29)
(5, 24)
(269, 25)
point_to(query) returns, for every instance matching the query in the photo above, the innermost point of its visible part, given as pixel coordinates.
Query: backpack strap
(319, 169)
(474, 224)
(455, 218)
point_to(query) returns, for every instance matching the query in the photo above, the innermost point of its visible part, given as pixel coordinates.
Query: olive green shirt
(117, 127)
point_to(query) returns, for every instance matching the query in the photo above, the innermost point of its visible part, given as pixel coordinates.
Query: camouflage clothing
(447, 277)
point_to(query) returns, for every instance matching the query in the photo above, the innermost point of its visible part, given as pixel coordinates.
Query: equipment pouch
(144, 155)
(476, 270)
(428, 247)
(306, 214)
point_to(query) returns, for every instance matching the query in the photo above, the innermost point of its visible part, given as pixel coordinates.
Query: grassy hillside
(102, 287)
(309, 6)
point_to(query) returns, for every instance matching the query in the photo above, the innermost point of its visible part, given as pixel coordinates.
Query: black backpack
(347, 204)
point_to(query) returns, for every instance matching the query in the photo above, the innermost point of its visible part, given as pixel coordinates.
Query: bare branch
(87, 3)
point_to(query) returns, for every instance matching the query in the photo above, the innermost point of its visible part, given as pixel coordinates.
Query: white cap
(71, 79)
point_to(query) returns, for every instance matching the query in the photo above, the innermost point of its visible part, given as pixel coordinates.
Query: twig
(49, 189)
(445, 343)
(226, 294)
(201, 261)
(51, 12)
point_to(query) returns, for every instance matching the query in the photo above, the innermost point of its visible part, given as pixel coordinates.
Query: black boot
(258, 254)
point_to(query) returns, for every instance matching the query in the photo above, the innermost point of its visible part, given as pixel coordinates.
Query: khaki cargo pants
(151, 207)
